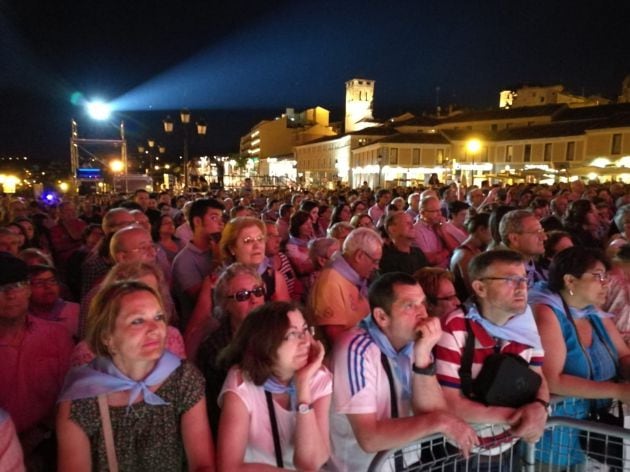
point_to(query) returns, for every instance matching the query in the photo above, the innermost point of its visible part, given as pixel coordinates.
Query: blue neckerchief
(520, 328)
(101, 376)
(540, 294)
(401, 359)
(340, 264)
(273, 386)
(297, 241)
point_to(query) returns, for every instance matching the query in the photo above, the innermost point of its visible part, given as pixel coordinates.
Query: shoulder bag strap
(108, 434)
(392, 389)
(393, 402)
(465, 369)
(274, 430)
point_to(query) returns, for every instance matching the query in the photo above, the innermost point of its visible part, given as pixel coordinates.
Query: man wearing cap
(35, 357)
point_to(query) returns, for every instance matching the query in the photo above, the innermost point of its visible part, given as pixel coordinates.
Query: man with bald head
(98, 263)
(129, 244)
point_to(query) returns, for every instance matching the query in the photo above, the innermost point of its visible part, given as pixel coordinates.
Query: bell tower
(359, 104)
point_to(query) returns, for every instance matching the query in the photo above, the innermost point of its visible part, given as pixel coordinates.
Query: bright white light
(473, 145)
(116, 165)
(98, 110)
(600, 162)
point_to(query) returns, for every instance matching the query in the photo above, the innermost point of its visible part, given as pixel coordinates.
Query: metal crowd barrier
(559, 450)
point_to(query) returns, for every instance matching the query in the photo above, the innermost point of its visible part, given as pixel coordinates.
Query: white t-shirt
(361, 387)
(260, 447)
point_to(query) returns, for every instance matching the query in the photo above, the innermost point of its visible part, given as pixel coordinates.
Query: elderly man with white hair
(339, 297)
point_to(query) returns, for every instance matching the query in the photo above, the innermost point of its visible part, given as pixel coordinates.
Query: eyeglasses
(259, 239)
(537, 232)
(147, 249)
(14, 286)
(243, 295)
(446, 298)
(40, 283)
(603, 277)
(374, 260)
(295, 334)
(514, 280)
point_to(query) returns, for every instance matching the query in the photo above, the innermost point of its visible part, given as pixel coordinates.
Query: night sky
(236, 62)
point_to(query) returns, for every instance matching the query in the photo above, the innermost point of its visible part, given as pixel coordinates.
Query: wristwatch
(428, 370)
(304, 408)
(545, 404)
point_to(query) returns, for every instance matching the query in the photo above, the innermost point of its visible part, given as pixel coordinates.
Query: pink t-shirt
(32, 373)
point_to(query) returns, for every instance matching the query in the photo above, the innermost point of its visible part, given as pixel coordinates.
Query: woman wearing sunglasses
(238, 291)
(243, 240)
(276, 398)
(593, 355)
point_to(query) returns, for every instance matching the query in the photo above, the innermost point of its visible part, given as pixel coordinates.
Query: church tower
(359, 104)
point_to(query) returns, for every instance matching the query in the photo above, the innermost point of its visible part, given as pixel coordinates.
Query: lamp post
(184, 116)
(379, 159)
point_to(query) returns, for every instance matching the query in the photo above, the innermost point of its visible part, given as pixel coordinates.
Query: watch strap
(428, 370)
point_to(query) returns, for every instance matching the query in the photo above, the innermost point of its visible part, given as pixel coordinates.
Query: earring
(571, 292)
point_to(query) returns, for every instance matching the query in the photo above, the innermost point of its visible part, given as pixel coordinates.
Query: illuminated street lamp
(116, 166)
(184, 116)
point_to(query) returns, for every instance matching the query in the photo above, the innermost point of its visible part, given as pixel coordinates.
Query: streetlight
(184, 117)
(379, 159)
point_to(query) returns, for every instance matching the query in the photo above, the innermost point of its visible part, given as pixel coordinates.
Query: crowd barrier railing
(561, 449)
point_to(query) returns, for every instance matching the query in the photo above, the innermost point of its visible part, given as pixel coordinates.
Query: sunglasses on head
(243, 295)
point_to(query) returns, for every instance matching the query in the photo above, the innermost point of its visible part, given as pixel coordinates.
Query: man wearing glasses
(34, 359)
(501, 321)
(339, 296)
(129, 244)
(428, 233)
(522, 232)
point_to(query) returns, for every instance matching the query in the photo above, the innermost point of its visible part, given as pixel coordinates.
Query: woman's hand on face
(315, 358)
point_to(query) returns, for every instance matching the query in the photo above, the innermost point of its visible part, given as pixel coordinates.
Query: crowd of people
(306, 329)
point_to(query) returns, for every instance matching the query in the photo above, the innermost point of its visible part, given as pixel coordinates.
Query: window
(440, 156)
(547, 154)
(509, 152)
(527, 154)
(616, 144)
(571, 151)
(415, 157)
(393, 156)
